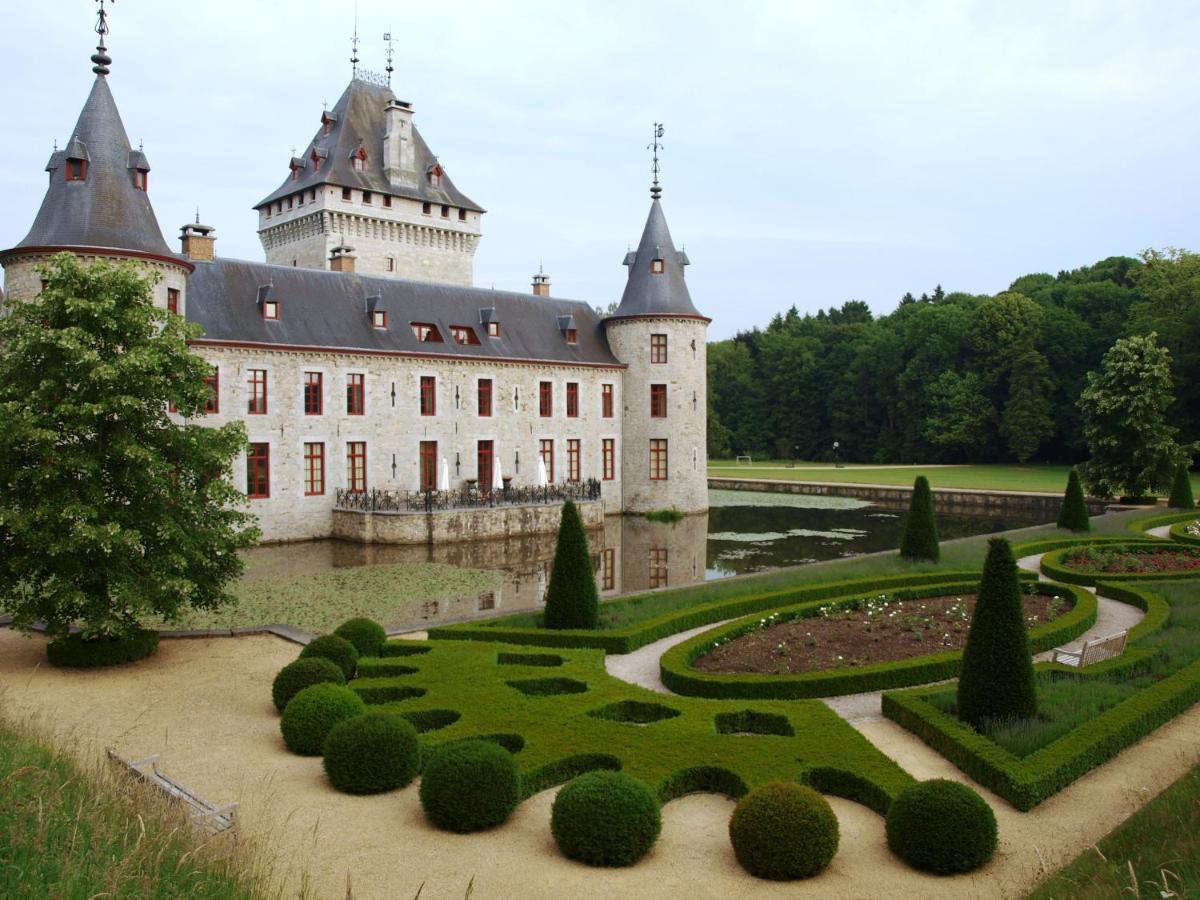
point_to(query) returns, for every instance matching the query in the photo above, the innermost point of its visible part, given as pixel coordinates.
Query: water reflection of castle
(629, 553)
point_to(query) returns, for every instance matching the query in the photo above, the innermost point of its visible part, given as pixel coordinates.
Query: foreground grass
(72, 831)
(1155, 853)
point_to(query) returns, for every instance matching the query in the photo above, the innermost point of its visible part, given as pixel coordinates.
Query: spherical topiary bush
(366, 635)
(302, 673)
(311, 714)
(76, 651)
(335, 649)
(605, 819)
(783, 831)
(470, 786)
(372, 753)
(942, 827)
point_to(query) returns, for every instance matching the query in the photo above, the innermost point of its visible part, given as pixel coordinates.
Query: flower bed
(1187, 532)
(1122, 562)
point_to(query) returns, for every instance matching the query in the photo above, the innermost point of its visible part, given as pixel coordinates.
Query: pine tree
(1182, 496)
(997, 670)
(1074, 512)
(920, 541)
(571, 601)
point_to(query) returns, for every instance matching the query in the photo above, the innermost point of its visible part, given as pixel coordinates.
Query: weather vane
(101, 58)
(656, 145)
(388, 38)
(354, 45)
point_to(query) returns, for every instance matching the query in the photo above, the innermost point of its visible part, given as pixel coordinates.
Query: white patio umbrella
(444, 480)
(541, 475)
(497, 481)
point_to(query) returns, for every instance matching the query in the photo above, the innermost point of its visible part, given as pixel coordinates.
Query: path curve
(1162, 531)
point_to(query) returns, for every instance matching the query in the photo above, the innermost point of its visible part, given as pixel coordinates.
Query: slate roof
(650, 294)
(358, 118)
(105, 209)
(329, 310)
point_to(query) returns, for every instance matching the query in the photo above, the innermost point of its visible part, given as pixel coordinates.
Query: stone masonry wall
(21, 278)
(453, 526)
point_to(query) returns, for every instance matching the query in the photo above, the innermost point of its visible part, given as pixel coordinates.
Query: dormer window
(315, 157)
(268, 303)
(491, 325)
(426, 333)
(297, 167)
(76, 169)
(358, 159)
(140, 168)
(327, 122)
(435, 176)
(463, 334)
(656, 266)
(270, 309)
(493, 329)
(572, 336)
(568, 328)
(379, 318)
(141, 179)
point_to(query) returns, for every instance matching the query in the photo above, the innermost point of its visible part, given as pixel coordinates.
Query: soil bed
(878, 630)
(1133, 560)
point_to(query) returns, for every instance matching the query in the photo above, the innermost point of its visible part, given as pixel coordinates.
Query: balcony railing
(467, 497)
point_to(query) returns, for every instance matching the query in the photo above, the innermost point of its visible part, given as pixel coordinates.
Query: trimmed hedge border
(1177, 533)
(1148, 522)
(1053, 567)
(680, 677)
(626, 640)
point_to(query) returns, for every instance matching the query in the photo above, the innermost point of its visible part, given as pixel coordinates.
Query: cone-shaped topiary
(1074, 512)
(941, 826)
(605, 819)
(920, 541)
(311, 714)
(997, 668)
(366, 635)
(336, 649)
(783, 831)
(571, 601)
(1181, 489)
(372, 753)
(469, 786)
(302, 673)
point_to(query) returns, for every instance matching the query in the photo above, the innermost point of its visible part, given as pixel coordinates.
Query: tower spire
(100, 58)
(390, 68)
(354, 45)
(655, 145)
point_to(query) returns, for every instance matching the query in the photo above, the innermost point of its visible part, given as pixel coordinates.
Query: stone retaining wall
(448, 526)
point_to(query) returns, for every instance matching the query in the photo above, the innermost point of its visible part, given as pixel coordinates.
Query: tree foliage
(571, 599)
(1073, 515)
(109, 510)
(1182, 495)
(920, 538)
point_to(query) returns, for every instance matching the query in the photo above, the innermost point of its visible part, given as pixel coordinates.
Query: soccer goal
(745, 461)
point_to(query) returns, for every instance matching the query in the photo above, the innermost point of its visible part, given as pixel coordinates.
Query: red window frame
(356, 394)
(429, 465)
(609, 459)
(546, 451)
(573, 454)
(173, 300)
(658, 459)
(658, 401)
(426, 333)
(314, 469)
(356, 467)
(258, 472)
(572, 399)
(545, 399)
(379, 317)
(213, 381)
(572, 335)
(256, 400)
(314, 393)
(141, 179)
(493, 329)
(485, 397)
(76, 169)
(428, 395)
(606, 401)
(270, 310)
(658, 348)
(484, 461)
(463, 334)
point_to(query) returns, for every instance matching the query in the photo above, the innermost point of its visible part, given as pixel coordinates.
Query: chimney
(399, 150)
(198, 241)
(541, 284)
(342, 259)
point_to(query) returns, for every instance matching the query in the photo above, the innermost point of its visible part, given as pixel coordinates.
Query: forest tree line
(953, 377)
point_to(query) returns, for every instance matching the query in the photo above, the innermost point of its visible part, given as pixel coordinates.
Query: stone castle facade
(359, 355)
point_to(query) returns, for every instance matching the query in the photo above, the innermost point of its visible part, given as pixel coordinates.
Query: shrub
(942, 827)
(302, 673)
(366, 635)
(77, 652)
(311, 714)
(783, 831)
(372, 753)
(670, 515)
(605, 819)
(1074, 512)
(470, 786)
(571, 599)
(337, 650)
(1181, 489)
(997, 668)
(920, 541)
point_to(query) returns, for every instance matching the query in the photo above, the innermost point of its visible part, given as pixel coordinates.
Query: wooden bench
(203, 814)
(1092, 651)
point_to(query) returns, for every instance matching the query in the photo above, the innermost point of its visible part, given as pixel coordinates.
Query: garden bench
(204, 814)
(1093, 651)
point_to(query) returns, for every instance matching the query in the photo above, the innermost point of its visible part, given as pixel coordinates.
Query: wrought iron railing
(467, 497)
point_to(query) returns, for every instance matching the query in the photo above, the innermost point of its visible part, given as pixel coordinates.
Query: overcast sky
(814, 152)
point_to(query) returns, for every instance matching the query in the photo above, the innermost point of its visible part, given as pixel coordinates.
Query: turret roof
(649, 292)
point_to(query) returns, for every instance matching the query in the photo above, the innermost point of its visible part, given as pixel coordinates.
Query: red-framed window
(658, 348)
(173, 300)
(258, 472)
(213, 381)
(270, 309)
(485, 396)
(356, 467)
(573, 459)
(314, 393)
(545, 399)
(608, 569)
(493, 329)
(658, 401)
(426, 333)
(77, 169)
(463, 334)
(546, 449)
(606, 401)
(610, 458)
(656, 266)
(314, 469)
(429, 475)
(141, 179)
(658, 567)
(256, 399)
(572, 399)
(484, 461)
(378, 318)
(572, 335)
(658, 459)
(428, 395)
(356, 394)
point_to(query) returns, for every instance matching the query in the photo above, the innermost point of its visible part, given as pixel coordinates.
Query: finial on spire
(655, 145)
(354, 45)
(197, 215)
(101, 58)
(390, 68)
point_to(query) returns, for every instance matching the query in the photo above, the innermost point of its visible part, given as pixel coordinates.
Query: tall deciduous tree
(1124, 419)
(1027, 422)
(109, 510)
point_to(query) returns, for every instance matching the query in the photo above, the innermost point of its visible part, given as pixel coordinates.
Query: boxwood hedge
(1178, 533)
(1054, 567)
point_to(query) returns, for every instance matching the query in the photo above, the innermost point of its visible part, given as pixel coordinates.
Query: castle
(359, 355)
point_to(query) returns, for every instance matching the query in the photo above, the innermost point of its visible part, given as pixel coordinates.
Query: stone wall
(456, 525)
(22, 280)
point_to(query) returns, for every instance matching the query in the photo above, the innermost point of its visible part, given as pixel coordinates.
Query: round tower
(661, 338)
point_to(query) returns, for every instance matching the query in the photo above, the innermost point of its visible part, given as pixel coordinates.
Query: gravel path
(641, 666)
(1162, 531)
